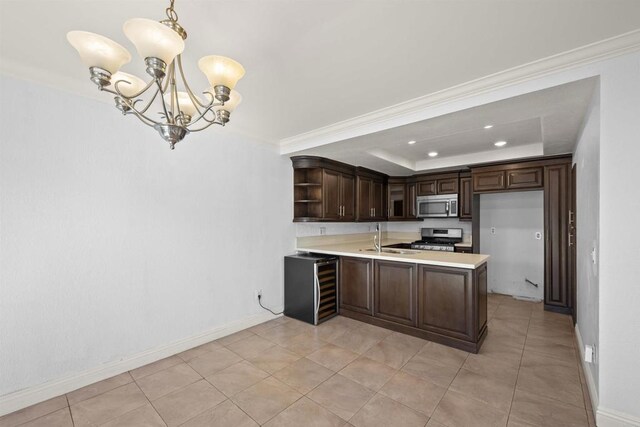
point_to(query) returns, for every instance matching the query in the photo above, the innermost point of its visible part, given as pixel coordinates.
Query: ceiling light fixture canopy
(160, 45)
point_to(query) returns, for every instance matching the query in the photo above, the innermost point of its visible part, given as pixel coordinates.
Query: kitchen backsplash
(336, 228)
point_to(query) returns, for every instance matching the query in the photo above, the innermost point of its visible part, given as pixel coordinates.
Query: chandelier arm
(144, 110)
(144, 119)
(164, 107)
(194, 99)
(140, 114)
(204, 127)
(203, 116)
(135, 95)
(166, 81)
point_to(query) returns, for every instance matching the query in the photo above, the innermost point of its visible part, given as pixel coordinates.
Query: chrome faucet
(377, 239)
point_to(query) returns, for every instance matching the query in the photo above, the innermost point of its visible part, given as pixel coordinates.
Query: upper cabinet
(508, 177)
(430, 185)
(466, 198)
(401, 199)
(323, 190)
(338, 196)
(370, 195)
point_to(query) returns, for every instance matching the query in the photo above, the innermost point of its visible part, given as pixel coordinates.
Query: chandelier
(160, 44)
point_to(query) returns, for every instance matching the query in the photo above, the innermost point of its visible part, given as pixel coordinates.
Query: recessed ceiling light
(411, 142)
(433, 154)
(488, 126)
(500, 143)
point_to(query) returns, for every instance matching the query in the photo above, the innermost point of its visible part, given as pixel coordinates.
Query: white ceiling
(545, 122)
(313, 63)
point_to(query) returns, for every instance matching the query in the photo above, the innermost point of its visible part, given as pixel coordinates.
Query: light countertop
(443, 259)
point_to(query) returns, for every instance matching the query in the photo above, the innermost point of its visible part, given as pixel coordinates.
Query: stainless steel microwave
(441, 206)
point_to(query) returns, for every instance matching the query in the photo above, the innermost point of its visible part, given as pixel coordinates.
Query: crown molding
(390, 116)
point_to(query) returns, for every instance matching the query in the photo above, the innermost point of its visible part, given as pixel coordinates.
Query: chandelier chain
(171, 13)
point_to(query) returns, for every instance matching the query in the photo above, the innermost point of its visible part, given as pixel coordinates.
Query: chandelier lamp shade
(160, 45)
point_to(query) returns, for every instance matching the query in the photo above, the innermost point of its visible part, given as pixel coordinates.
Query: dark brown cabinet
(447, 185)
(356, 284)
(323, 190)
(524, 178)
(488, 181)
(397, 198)
(430, 185)
(338, 201)
(331, 205)
(508, 177)
(395, 292)
(370, 197)
(379, 198)
(466, 199)
(442, 304)
(447, 301)
(401, 199)
(427, 187)
(412, 208)
(556, 249)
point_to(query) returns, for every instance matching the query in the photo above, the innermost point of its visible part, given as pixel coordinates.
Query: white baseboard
(610, 418)
(604, 417)
(591, 384)
(26, 397)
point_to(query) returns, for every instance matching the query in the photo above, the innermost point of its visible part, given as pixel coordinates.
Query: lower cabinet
(356, 284)
(442, 304)
(446, 301)
(395, 292)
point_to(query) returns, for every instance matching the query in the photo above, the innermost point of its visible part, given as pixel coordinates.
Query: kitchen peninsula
(439, 296)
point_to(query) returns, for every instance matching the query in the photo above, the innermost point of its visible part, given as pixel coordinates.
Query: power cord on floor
(268, 309)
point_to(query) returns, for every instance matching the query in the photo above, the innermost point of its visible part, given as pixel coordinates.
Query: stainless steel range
(438, 239)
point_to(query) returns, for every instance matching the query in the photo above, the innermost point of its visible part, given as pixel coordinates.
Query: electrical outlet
(538, 235)
(493, 230)
(257, 294)
(590, 353)
(323, 231)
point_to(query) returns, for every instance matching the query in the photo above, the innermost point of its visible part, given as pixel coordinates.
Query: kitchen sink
(391, 251)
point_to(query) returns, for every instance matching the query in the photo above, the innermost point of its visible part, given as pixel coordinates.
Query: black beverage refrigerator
(310, 287)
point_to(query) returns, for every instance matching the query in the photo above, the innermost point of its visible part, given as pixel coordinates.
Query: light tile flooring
(345, 373)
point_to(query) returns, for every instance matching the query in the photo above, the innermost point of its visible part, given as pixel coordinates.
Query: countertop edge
(392, 258)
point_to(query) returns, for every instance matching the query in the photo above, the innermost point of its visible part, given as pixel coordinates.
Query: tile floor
(345, 373)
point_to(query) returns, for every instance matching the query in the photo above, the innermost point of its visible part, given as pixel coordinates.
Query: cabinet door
(488, 181)
(412, 210)
(397, 201)
(524, 178)
(427, 188)
(556, 218)
(356, 284)
(447, 186)
(363, 198)
(445, 301)
(395, 292)
(377, 197)
(466, 199)
(330, 194)
(348, 197)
